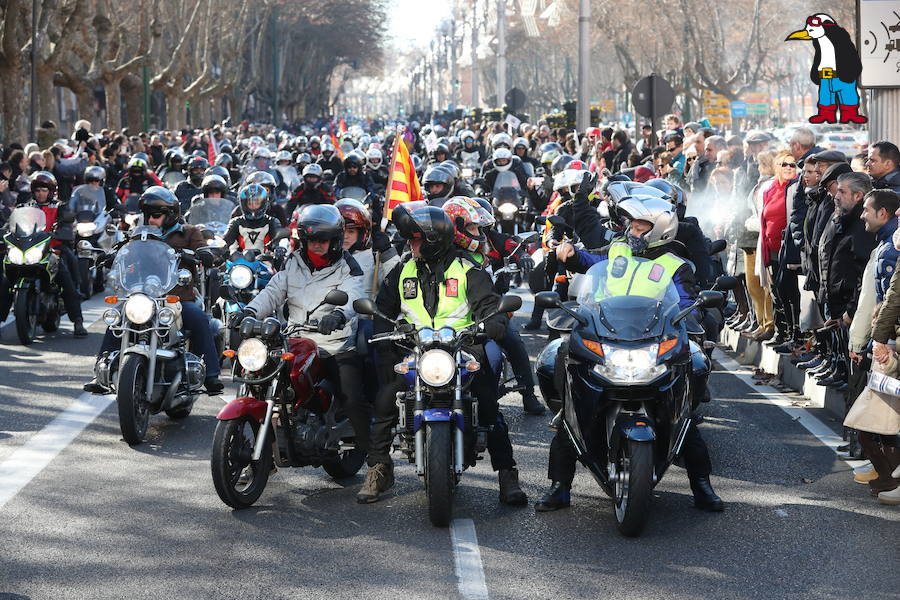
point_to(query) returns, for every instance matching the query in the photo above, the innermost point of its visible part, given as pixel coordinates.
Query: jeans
(834, 91)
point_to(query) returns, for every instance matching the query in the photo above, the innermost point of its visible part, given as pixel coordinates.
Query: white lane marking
(35, 454)
(813, 425)
(469, 571)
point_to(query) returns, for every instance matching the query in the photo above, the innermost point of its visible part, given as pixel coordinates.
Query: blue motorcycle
(245, 274)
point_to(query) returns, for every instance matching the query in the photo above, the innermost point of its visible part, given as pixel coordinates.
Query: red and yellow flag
(337, 147)
(342, 129)
(403, 182)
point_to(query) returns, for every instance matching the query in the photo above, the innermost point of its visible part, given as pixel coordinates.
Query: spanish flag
(403, 182)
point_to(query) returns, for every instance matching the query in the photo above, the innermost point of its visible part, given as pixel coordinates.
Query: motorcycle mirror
(527, 237)
(365, 306)
(547, 300)
(717, 246)
(711, 299)
(281, 234)
(509, 304)
(725, 283)
(184, 277)
(336, 298)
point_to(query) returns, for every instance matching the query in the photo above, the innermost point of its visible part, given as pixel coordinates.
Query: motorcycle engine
(311, 436)
(195, 371)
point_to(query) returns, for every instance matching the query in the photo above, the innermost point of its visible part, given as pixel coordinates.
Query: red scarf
(318, 261)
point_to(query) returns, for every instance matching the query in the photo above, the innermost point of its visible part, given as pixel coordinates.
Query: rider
(501, 161)
(311, 191)
(520, 149)
(255, 228)
(190, 187)
(436, 287)
(353, 175)
(474, 234)
(173, 162)
(329, 161)
(437, 184)
(469, 150)
(137, 178)
(95, 177)
(274, 208)
(318, 266)
(651, 235)
(162, 209)
(43, 193)
(376, 168)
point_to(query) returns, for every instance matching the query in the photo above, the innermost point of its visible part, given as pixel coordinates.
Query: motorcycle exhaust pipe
(263, 430)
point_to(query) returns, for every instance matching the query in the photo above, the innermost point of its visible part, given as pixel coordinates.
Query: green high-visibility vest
(627, 276)
(453, 308)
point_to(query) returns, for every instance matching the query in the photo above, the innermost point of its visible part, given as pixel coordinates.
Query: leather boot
(379, 479)
(704, 496)
(510, 492)
(558, 496)
(827, 114)
(80, 331)
(849, 114)
(531, 404)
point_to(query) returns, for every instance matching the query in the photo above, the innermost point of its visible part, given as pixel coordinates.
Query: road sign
(652, 96)
(738, 109)
(878, 42)
(627, 117)
(515, 100)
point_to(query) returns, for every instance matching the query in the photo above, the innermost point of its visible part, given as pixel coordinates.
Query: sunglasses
(155, 214)
(817, 22)
(792, 165)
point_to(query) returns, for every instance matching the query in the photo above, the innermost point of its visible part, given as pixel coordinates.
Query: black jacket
(361, 180)
(333, 164)
(697, 250)
(844, 250)
(816, 222)
(792, 248)
(891, 181)
(585, 221)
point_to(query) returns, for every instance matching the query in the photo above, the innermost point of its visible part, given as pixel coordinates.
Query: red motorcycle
(285, 412)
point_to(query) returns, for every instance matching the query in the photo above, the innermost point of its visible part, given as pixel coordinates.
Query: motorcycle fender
(246, 405)
(630, 427)
(438, 414)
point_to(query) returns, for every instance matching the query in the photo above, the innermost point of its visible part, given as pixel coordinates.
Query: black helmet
(352, 160)
(137, 166)
(94, 173)
(158, 199)
(254, 200)
(224, 160)
(427, 223)
(265, 179)
(173, 157)
(195, 168)
(559, 164)
(214, 183)
(46, 180)
(221, 172)
(437, 175)
(321, 223)
(441, 149)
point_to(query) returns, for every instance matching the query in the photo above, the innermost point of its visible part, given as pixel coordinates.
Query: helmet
(213, 183)
(463, 212)
(578, 165)
(254, 200)
(501, 139)
(441, 149)
(143, 156)
(352, 160)
(548, 146)
(321, 223)
(300, 143)
(46, 180)
(487, 208)
(94, 173)
(312, 170)
(327, 147)
(566, 182)
(374, 158)
(303, 159)
(224, 160)
(466, 135)
(502, 159)
(453, 141)
(315, 140)
(561, 162)
(263, 178)
(658, 212)
(283, 155)
(430, 224)
(137, 166)
(673, 191)
(195, 168)
(356, 216)
(173, 158)
(520, 142)
(160, 200)
(548, 157)
(221, 172)
(437, 175)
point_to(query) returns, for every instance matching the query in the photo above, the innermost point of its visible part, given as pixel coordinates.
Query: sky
(415, 20)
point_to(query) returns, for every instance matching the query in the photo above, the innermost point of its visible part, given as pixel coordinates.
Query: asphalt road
(102, 520)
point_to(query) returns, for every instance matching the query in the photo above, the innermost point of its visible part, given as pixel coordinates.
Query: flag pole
(387, 201)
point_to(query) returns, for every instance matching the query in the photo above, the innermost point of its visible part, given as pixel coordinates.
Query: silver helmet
(657, 211)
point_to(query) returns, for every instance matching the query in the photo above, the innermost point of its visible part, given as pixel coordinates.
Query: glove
(526, 263)
(494, 329)
(588, 181)
(332, 322)
(380, 241)
(235, 320)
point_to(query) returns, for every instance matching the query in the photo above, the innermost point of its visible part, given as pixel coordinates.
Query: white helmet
(466, 134)
(567, 179)
(502, 154)
(501, 139)
(374, 158)
(283, 155)
(658, 212)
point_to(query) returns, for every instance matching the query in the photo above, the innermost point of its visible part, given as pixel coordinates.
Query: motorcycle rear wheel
(26, 318)
(232, 456)
(634, 486)
(132, 401)
(439, 475)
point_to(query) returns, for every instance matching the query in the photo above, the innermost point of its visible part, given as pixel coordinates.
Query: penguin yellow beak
(799, 35)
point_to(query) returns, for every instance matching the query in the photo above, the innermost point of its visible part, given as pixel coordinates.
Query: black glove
(332, 322)
(496, 330)
(588, 181)
(526, 263)
(235, 320)
(380, 241)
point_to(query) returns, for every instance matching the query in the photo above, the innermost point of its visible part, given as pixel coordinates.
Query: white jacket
(861, 327)
(303, 290)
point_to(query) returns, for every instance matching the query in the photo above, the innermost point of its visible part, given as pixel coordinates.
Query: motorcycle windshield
(357, 193)
(210, 211)
(145, 265)
(506, 179)
(633, 298)
(289, 175)
(87, 198)
(172, 179)
(26, 221)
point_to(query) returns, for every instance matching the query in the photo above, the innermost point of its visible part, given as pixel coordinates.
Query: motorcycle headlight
(252, 354)
(166, 316)
(85, 229)
(240, 276)
(34, 255)
(139, 309)
(508, 208)
(436, 368)
(111, 317)
(630, 365)
(468, 172)
(15, 256)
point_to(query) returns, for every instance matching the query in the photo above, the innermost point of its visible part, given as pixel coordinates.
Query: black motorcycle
(628, 376)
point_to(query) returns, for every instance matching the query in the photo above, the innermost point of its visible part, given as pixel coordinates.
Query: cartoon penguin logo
(835, 69)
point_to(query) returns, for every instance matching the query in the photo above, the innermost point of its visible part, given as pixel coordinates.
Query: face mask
(638, 245)
(317, 260)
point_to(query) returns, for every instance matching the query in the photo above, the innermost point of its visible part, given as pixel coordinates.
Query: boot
(95, 387)
(865, 476)
(80, 331)
(557, 497)
(891, 498)
(763, 336)
(849, 114)
(752, 333)
(379, 479)
(213, 385)
(827, 114)
(510, 492)
(531, 404)
(704, 496)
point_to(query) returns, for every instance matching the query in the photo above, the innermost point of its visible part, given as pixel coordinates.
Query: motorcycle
(152, 371)
(285, 412)
(30, 268)
(438, 423)
(628, 373)
(95, 234)
(246, 274)
(210, 215)
(470, 169)
(507, 198)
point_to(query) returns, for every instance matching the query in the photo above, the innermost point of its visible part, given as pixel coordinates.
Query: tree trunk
(113, 93)
(133, 91)
(14, 110)
(175, 111)
(47, 108)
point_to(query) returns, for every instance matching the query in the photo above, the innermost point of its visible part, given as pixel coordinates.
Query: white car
(842, 141)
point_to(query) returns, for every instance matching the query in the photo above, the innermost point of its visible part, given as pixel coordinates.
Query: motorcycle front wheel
(239, 481)
(132, 401)
(439, 476)
(87, 284)
(26, 315)
(633, 486)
